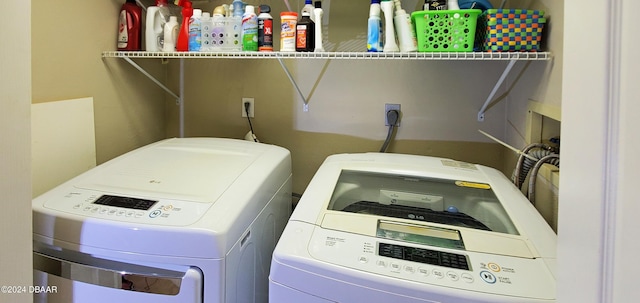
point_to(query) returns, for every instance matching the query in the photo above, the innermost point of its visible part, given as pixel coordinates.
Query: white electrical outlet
(251, 107)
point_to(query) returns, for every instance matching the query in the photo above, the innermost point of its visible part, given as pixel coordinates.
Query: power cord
(392, 117)
(246, 109)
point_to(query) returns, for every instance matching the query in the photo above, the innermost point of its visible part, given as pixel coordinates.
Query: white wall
(15, 171)
(598, 225)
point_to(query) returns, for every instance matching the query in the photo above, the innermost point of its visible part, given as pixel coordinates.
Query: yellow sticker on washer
(473, 185)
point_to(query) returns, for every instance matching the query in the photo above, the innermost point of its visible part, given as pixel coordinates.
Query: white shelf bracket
(495, 89)
(179, 99)
(144, 72)
(286, 71)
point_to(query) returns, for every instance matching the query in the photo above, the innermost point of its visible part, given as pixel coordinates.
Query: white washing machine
(181, 220)
(399, 228)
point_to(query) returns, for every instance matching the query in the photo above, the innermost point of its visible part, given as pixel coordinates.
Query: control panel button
(395, 267)
(467, 278)
(453, 276)
(494, 267)
(438, 273)
(363, 259)
(488, 277)
(409, 269)
(423, 271)
(381, 263)
(155, 213)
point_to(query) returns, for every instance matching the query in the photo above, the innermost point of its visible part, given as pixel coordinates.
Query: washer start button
(155, 213)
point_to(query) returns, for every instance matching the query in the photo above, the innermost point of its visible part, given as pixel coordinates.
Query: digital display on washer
(422, 255)
(125, 202)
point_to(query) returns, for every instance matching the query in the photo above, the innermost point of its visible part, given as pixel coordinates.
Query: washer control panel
(128, 208)
(436, 266)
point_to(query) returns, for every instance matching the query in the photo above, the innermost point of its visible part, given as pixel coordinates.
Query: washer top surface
(193, 169)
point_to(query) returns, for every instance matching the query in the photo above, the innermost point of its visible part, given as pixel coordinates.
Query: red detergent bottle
(130, 27)
(182, 45)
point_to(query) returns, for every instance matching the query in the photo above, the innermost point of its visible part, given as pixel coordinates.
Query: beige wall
(67, 41)
(15, 185)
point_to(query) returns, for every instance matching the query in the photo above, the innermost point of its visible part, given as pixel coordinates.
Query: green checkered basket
(510, 30)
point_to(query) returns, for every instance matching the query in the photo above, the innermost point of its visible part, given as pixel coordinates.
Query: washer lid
(194, 169)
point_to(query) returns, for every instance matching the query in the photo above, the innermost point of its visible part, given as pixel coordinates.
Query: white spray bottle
(317, 13)
(405, 30)
(452, 5)
(171, 29)
(390, 44)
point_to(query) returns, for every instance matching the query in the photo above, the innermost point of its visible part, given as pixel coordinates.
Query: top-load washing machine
(181, 220)
(381, 228)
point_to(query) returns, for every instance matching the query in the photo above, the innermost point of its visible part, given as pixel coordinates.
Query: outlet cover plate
(388, 107)
(251, 107)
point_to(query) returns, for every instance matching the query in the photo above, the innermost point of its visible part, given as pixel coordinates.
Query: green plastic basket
(445, 31)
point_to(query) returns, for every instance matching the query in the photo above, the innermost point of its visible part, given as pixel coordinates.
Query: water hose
(534, 172)
(524, 164)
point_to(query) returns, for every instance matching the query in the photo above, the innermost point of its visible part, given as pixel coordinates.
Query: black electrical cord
(392, 117)
(246, 109)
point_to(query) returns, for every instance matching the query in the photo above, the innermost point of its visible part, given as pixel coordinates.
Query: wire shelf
(495, 56)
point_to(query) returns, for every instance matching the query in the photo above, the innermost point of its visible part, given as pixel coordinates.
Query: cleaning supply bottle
(157, 16)
(390, 44)
(374, 28)
(305, 30)
(317, 13)
(405, 30)
(130, 27)
(265, 29)
(435, 5)
(195, 31)
(182, 45)
(308, 7)
(237, 7)
(206, 26)
(170, 33)
(288, 22)
(452, 5)
(250, 29)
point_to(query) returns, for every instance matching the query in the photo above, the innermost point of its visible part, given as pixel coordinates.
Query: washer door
(100, 280)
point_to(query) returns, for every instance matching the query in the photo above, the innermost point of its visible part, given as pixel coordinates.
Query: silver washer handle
(156, 281)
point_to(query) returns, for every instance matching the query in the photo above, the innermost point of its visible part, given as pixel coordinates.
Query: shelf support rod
(286, 70)
(180, 99)
(495, 89)
(151, 77)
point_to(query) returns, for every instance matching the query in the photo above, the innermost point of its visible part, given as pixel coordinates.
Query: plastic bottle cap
(219, 11)
(173, 18)
(307, 2)
(249, 9)
(197, 13)
(264, 8)
(317, 4)
(291, 14)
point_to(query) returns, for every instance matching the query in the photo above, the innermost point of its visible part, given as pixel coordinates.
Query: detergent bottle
(182, 45)
(130, 27)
